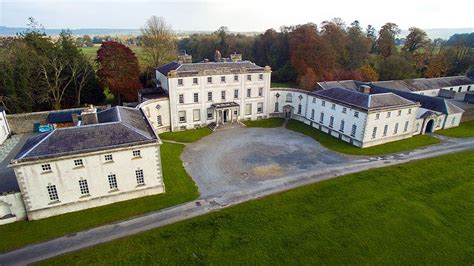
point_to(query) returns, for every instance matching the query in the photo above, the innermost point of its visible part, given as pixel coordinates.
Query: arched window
(289, 97)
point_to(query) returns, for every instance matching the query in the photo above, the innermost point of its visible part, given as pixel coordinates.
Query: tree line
(332, 50)
(38, 72)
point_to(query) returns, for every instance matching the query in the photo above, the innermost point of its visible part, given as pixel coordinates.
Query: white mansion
(193, 95)
(114, 154)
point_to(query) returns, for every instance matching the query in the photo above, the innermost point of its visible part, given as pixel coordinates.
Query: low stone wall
(24, 123)
(11, 208)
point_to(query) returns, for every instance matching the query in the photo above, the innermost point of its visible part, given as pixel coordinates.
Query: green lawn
(283, 85)
(269, 122)
(91, 53)
(420, 212)
(191, 135)
(464, 130)
(338, 145)
(180, 188)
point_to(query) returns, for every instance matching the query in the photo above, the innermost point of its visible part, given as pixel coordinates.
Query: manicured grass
(269, 122)
(91, 53)
(283, 85)
(420, 212)
(464, 130)
(338, 145)
(179, 187)
(191, 135)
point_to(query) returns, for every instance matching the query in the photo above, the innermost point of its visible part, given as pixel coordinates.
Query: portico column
(216, 113)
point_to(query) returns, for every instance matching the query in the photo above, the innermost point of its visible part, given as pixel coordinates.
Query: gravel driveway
(241, 158)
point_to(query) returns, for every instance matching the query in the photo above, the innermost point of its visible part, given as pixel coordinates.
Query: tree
(386, 40)
(368, 73)
(308, 80)
(396, 67)
(82, 74)
(415, 40)
(159, 41)
(118, 70)
(437, 67)
(358, 46)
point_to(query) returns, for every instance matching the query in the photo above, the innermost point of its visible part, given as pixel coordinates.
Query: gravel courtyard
(241, 158)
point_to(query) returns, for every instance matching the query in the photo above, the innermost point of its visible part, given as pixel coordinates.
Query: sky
(237, 15)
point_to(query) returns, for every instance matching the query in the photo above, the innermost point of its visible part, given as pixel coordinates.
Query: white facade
(11, 208)
(348, 123)
(4, 128)
(65, 184)
(157, 112)
(192, 96)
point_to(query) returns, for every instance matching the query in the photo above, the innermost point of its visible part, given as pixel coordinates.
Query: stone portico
(227, 112)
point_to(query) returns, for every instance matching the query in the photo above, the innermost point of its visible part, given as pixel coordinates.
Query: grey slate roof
(363, 100)
(117, 127)
(427, 102)
(422, 84)
(63, 116)
(195, 67)
(347, 84)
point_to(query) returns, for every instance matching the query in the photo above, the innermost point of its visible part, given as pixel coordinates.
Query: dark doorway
(226, 115)
(429, 127)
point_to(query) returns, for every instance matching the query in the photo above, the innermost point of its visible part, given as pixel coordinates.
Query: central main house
(214, 92)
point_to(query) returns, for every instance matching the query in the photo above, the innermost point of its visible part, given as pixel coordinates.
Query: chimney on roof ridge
(235, 57)
(89, 115)
(364, 89)
(217, 56)
(185, 58)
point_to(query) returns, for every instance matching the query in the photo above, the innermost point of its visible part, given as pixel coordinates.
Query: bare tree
(52, 70)
(159, 41)
(82, 72)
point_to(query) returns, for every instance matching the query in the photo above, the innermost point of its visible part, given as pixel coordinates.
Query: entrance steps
(215, 127)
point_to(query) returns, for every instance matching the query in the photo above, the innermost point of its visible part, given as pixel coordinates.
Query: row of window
(289, 98)
(223, 95)
(84, 186)
(460, 88)
(331, 123)
(80, 163)
(223, 79)
(210, 112)
(386, 130)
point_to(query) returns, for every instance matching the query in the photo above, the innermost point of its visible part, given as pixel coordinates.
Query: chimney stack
(185, 58)
(89, 116)
(364, 89)
(235, 57)
(217, 56)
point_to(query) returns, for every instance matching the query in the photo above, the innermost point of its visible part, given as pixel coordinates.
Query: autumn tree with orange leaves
(119, 70)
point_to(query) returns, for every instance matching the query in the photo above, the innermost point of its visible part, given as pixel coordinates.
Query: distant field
(91, 52)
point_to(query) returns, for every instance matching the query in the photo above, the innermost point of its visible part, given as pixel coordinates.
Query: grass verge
(180, 188)
(283, 85)
(191, 135)
(464, 130)
(269, 122)
(420, 212)
(338, 145)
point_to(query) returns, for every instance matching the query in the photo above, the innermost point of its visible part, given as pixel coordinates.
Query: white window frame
(196, 97)
(196, 115)
(78, 163)
(112, 178)
(259, 108)
(260, 92)
(159, 121)
(209, 96)
(140, 177)
(136, 154)
(181, 98)
(108, 158)
(52, 193)
(248, 109)
(182, 116)
(84, 187)
(46, 168)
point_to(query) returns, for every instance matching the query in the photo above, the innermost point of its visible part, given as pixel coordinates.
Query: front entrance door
(226, 116)
(429, 127)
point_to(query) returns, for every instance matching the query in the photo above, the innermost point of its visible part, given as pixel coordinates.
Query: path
(73, 242)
